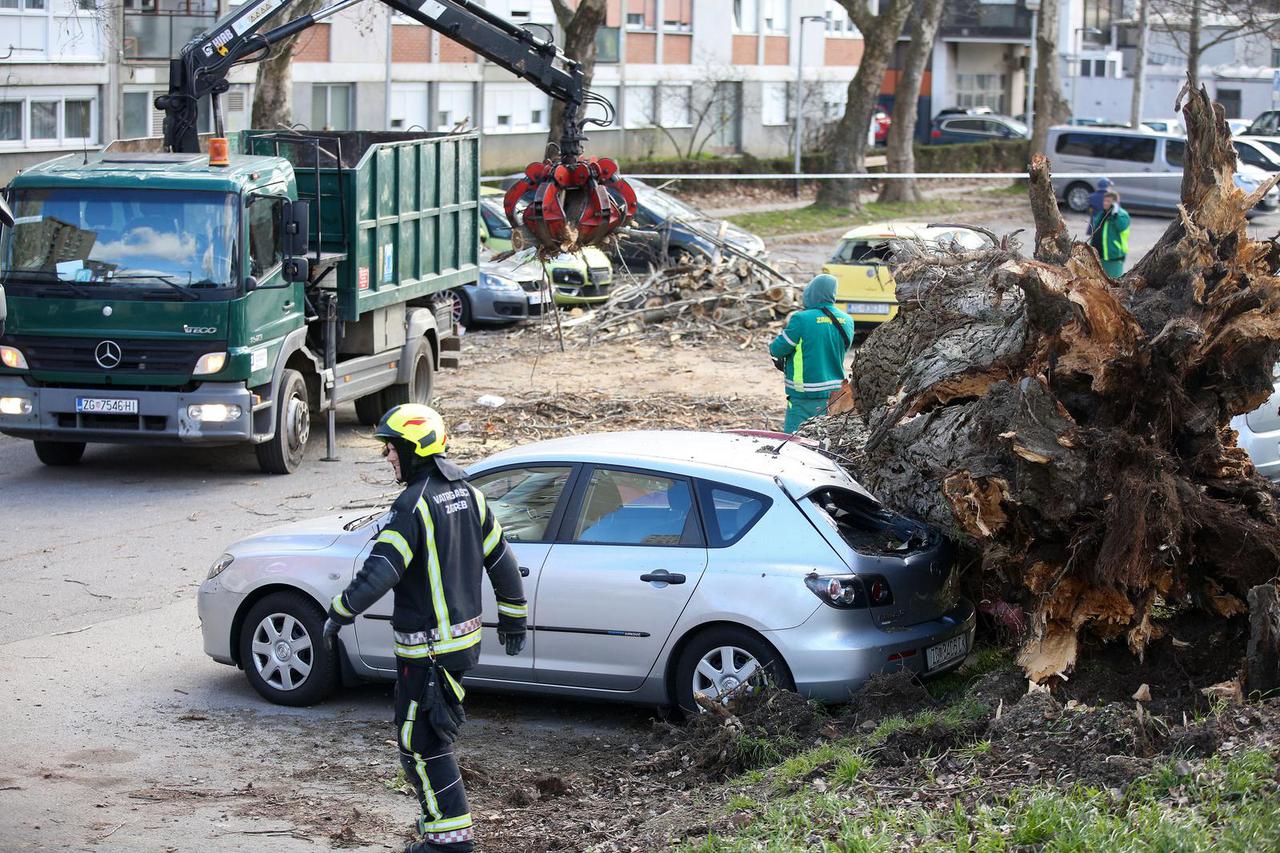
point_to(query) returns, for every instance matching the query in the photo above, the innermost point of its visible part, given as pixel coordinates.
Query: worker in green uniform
(811, 351)
(1109, 234)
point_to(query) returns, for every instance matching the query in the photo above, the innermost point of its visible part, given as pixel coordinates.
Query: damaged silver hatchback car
(657, 565)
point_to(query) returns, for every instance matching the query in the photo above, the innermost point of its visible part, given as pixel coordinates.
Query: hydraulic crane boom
(576, 202)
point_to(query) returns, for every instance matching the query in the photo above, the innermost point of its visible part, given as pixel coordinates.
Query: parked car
(1271, 143)
(1266, 124)
(965, 111)
(880, 124)
(1165, 125)
(865, 286)
(951, 129)
(1260, 432)
(1238, 125)
(683, 231)
(1252, 152)
(1094, 121)
(578, 278)
(657, 565)
(496, 297)
(1106, 151)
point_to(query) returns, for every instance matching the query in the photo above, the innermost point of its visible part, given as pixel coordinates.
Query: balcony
(974, 19)
(157, 32)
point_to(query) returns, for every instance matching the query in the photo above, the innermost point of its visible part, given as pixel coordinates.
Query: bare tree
(900, 152)
(580, 26)
(880, 31)
(1050, 107)
(1140, 64)
(1196, 26)
(273, 86)
(703, 103)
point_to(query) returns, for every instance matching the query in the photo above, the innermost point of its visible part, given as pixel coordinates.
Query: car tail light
(936, 134)
(850, 592)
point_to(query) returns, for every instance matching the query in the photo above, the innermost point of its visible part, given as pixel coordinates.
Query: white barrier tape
(877, 176)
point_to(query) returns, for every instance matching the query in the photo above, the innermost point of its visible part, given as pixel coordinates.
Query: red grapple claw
(571, 205)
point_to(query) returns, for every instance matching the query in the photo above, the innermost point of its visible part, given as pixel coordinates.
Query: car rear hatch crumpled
(914, 558)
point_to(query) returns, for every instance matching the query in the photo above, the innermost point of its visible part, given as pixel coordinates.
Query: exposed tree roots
(1071, 428)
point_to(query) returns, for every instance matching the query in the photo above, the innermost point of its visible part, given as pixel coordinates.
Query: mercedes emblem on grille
(108, 354)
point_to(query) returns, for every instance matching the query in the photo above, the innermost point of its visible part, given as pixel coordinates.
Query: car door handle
(524, 571)
(662, 576)
(287, 305)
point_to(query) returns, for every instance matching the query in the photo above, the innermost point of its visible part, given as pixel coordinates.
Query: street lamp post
(798, 141)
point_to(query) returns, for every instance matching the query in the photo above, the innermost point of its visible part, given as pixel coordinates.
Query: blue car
(952, 129)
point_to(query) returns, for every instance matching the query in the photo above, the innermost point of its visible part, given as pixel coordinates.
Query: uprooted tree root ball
(1071, 429)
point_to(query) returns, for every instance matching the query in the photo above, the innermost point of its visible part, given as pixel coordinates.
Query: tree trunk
(273, 87)
(1262, 663)
(580, 44)
(1050, 107)
(1140, 64)
(900, 147)
(1193, 45)
(849, 142)
(1069, 430)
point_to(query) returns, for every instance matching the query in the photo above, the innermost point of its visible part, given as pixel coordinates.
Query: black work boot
(428, 847)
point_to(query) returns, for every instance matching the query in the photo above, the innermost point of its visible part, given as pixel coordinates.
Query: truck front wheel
(59, 452)
(283, 453)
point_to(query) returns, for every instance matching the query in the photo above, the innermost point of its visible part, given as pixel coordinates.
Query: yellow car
(860, 264)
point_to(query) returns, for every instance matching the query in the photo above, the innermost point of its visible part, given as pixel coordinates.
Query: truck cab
(156, 298)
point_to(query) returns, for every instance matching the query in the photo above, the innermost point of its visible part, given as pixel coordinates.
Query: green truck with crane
(198, 296)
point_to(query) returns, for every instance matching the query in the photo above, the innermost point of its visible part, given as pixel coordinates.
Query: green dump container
(402, 208)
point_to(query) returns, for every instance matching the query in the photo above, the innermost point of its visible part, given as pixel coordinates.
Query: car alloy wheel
(725, 672)
(1078, 198)
(282, 651)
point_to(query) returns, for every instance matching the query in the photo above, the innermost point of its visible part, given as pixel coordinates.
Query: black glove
(331, 629)
(781, 364)
(513, 642)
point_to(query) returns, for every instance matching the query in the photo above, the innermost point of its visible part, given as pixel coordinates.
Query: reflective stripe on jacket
(1110, 233)
(814, 351)
(438, 536)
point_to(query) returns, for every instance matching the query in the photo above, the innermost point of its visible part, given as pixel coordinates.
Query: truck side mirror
(297, 228)
(6, 215)
(296, 269)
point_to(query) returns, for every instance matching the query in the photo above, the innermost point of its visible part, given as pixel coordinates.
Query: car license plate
(537, 297)
(868, 307)
(102, 406)
(943, 653)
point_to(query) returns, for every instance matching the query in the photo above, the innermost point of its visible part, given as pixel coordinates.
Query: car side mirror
(297, 228)
(296, 269)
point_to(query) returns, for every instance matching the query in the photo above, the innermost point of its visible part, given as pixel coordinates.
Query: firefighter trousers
(429, 764)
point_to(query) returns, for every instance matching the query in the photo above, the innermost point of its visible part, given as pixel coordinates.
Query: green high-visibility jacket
(1110, 233)
(814, 351)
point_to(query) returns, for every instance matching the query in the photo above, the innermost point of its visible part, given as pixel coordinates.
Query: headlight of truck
(13, 358)
(210, 362)
(220, 565)
(15, 406)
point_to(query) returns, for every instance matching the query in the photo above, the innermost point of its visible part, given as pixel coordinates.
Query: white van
(1108, 152)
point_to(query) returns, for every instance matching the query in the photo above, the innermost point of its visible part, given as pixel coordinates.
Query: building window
(773, 104)
(675, 105)
(642, 14)
(608, 44)
(744, 16)
(1098, 15)
(331, 106)
(777, 16)
(981, 90)
(677, 16)
(10, 121)
(455, 103)
(638, 105)
(839, 24)
(513, 108)
(48, 116)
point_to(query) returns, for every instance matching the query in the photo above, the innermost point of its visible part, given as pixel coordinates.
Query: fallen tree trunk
(1071, 429)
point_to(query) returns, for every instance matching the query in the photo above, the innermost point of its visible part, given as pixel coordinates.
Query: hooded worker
(437, 541)
(811, 351)
(1096, 199)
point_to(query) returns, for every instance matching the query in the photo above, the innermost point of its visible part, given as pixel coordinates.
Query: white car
(1260, 432)
(657, 565)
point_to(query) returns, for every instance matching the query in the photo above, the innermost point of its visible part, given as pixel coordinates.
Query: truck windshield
(175, 241)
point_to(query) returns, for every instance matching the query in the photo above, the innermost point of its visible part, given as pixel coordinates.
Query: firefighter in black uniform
(439, 535)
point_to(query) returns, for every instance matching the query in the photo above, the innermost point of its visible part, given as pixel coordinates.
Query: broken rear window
(868, 527)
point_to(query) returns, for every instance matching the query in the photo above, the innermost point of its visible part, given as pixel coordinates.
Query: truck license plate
(102, 406)
(868, 307)
(943, 653)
